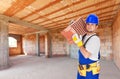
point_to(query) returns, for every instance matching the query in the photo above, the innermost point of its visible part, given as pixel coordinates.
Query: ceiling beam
(38, 10)
(68, 19)
(20, 22)
(17, 6)
(110, 18)
(83, 13)
(75, 11)
(67, 6)
(106, 22)
(65, 24)
(40, 32)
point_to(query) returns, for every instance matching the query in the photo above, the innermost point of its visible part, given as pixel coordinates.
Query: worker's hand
(77, 40)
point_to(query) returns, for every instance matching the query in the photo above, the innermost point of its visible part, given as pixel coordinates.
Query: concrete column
(37, 44)
(48, 45)
(4, 48)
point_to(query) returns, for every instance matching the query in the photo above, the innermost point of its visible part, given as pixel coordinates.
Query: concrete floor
(33, 67)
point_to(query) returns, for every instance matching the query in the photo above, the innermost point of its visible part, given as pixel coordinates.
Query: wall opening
(12, 42)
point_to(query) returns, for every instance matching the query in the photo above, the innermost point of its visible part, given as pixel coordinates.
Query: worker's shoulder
(95, 37)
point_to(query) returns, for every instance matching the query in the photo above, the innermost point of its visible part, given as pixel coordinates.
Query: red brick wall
(116, 40)
(29, 44)
(59, 44)
(105, 34)
(61, 47)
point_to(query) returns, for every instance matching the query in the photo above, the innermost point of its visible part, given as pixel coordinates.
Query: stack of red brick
(77, 26)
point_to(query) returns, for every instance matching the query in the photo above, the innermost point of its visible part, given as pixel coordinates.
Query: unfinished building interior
(33, 28)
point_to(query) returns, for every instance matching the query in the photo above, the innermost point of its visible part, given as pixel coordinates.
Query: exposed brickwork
(59, 44)
(29, 44)
(105, 34)
(116, 40)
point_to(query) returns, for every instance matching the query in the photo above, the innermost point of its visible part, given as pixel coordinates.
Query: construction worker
(89, 47)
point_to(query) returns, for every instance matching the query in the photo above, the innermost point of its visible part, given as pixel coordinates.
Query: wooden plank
(17, 6)
(78, 2)
(18, 29)
(38, 10)
(89, 12)
(65, 23)
(107, 19)
(74, 11)
(76, 16)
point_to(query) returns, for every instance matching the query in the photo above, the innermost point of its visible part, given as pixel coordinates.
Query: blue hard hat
(92, 18)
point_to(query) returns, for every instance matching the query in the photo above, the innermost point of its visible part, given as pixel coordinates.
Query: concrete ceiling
(55, 14)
